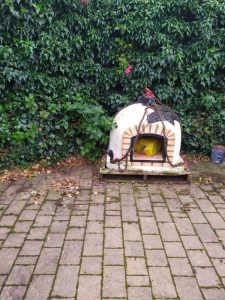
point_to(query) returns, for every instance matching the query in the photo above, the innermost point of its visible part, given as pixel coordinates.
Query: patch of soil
(35, 169)
(194, 158)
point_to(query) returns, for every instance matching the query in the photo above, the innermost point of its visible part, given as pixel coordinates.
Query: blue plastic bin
(217, 154)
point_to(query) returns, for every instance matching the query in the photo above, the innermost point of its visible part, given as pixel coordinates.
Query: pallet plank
(176, 176)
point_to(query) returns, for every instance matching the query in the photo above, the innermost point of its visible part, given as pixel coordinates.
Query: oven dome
(127, 121)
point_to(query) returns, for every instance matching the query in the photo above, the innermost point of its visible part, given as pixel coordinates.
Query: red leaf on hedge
(128, 69)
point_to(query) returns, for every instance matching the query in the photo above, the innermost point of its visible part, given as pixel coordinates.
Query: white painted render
(129, 117)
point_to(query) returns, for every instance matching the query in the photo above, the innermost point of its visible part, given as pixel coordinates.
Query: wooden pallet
(156, 177)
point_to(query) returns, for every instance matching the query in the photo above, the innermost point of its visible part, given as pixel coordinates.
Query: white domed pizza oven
(152, 146)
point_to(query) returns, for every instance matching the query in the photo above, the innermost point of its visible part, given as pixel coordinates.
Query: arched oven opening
(148, 148)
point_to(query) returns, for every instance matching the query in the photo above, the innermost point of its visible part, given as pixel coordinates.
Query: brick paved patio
(112, 241)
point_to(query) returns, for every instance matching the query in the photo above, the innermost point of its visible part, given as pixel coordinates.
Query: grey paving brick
(43, 221)
(89, 288)
(136, 266)
(148, 226)
(113, 257)
(129, 214)
(23, 226)
(138, 280)
(184, 226)
(174, 249)
(215, 220)
(140, 192)
(26, 260)
(206, 206)
(113, 206)
(168, 232)
(221, 210)
(48, 261)
(61, 216)
(13, 293)
(205, 233)
(126, 188)
(157, 198)
(114, 284)
(187, 288)
(127, 200)
(223, 280)
(113, 221)
(196, 216)
(143, 204)
(37, 233)
(112, 213)
(198, 258)
(28, 215)
(15, 207)
(3, 232)
(145, 213)
(113, 193)
(212, 294)
(191, 242)
(153, 189)
(75, 233)
(91, 265)
(78, 221)
(156, 258)
(173, 205)
(113, 238)
(54, 240)
(93, 244)
(71, 253)
(94, 227)
(131, 232)
(221, 236)
(180, 267)
(31, 248)
(207, 277)
(216, 198)
(186, 199)
(219, 264)
(59, 226)
(14, 240)
(7, 258)
(66, 281)
(39, 287)
(215, 250)
(168, 192)
(161, 277)
(197, 192)
(134, 248)
(8, 220)
(162, 214)
(100, 198)
(141, 293)
(20, 275)
(2, 280)
(152, 241)
(96, 213)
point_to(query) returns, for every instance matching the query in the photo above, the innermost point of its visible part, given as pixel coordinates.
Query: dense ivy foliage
(62, 68)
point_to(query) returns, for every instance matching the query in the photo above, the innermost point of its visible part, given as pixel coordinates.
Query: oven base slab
(176, 176)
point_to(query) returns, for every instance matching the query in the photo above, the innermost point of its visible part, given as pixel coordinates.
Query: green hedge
(62, 71)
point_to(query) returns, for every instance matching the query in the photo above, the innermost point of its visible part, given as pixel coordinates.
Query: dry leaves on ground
(65, 186)
(38, 168)
(194, 158)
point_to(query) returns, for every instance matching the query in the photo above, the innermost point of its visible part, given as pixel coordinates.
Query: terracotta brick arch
(149, 129)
